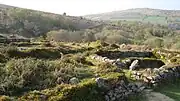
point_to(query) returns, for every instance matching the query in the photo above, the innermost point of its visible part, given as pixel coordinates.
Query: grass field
(171, 90)
(156, 19)
(152, 19)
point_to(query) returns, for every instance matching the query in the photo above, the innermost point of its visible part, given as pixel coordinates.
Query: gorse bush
(85, 91)
(3, 59)
(155, 42)
(19, 75)
(69, 67)
(24, 74)
(9, 51)
(104, 68)
(5, 98)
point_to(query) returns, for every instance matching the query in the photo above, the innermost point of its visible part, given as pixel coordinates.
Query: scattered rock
(59, 80)
(155, 70)
(134, 73)
(127, 62)
(101, 82)
(43, 97)
(134, 65)
(122, 45)
(107, 98)
(120, 65)
(97, 75)
(74, 81)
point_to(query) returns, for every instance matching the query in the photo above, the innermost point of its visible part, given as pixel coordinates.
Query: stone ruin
(144, 67)
(130, 60)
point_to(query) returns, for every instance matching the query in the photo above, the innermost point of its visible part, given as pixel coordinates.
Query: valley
(131, 55)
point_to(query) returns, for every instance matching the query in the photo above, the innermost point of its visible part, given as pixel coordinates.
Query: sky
(84, 7)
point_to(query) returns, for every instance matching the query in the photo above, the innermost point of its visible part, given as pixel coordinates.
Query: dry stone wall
(131, 63)
(124, 54)
(142, 63)
(157, 76)
(115, 62)
(119, 90)
(150, 72)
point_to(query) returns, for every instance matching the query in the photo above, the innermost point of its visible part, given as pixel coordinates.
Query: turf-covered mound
(45, 53)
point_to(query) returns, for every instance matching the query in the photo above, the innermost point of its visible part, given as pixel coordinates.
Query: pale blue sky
(83, 7)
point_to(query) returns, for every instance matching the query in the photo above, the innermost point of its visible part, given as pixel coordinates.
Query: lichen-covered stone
(134, 65)
(74, 81)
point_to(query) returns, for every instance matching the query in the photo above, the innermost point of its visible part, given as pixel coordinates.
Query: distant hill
(140, 14)
(5, 6)
(30, 23)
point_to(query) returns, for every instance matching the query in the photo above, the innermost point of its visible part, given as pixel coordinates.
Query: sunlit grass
(171, 90)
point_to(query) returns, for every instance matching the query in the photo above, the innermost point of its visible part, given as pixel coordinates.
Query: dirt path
(155, 96)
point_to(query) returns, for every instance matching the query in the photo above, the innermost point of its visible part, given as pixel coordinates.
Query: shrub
(25, 74)
(81, 58)
(68, 68)
(176, 46)
(85, 91)
(118, 39)
(106, 67)
(19, 75)
(155, 42)
(5, 98)
(3, 58)
(9, 51)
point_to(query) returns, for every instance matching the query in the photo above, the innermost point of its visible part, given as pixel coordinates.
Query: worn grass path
(167, 92)
(172, 91)
(156, 96)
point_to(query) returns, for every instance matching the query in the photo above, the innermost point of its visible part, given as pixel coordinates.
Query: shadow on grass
(171, 90)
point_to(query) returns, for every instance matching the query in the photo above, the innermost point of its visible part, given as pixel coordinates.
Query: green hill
(30, 23)
(156, 16)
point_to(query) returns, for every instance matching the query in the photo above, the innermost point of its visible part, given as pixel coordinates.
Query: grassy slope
(171, 90)
(142, 14)
(30, 23)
